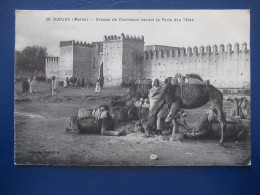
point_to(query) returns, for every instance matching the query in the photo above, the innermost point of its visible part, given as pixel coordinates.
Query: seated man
(245, 110)
(234, 111)
(241, 108)
(181, 124)
(94, 121)
(208, 126)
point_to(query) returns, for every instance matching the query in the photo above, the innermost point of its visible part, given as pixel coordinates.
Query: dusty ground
(40, 136)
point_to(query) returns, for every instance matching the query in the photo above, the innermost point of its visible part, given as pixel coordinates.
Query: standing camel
(187, 96)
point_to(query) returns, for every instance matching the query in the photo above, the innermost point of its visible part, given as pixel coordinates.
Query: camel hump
(195, 76)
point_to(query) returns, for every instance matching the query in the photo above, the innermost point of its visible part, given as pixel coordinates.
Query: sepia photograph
(132, 88)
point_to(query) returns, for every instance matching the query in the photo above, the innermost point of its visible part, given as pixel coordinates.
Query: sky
(177, 28)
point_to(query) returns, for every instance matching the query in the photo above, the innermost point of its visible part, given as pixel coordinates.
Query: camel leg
(241, 133)
(105, 131)
(174, 122)
(110, 133)
(171, 116)
(186, 125)
(222, 122)
(172, 113)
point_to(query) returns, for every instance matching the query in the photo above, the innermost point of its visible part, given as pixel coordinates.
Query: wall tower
(122, 58)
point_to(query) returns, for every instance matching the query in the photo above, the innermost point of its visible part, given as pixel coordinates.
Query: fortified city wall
(133, 48)
(97, 59)
(52, 66)
(122, 58)
(76, 59)
(223, 67)
(125, 58)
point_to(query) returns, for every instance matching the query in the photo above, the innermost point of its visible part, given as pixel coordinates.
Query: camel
(236, 128)
(139, 91)
(101, 122)
(187, 96)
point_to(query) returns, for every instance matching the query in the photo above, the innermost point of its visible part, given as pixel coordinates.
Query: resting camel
(187, 96)
(207, 127)
(100, 123)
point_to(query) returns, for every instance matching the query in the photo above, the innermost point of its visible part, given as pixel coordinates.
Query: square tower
(122, 59)
(75, 59)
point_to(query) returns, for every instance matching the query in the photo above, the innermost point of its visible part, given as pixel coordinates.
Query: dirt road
(40, 136)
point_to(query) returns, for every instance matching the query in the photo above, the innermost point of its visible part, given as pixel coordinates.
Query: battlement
(123, 37)
(75, 43)
(152, 52)
(98, 45)
(52, 59)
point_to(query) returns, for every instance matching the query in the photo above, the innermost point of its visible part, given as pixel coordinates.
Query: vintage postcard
(132, 88)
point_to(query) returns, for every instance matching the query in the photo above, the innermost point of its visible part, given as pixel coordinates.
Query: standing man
(33, 85)
(68, 81)
(87, 83)
(82, 82)
(54, 86)
(153, 96)
(98, 87)
(25, 86)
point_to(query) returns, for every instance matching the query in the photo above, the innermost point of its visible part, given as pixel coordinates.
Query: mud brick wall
(82, 59)
(97, 59)
(66, 61)
(125, 58)
(223, 67)
(132, 59)
(52, 67)
(112, 59)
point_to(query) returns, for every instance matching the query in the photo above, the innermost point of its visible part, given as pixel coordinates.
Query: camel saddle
(190, 81)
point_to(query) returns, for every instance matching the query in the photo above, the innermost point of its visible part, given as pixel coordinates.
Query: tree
(30, 60)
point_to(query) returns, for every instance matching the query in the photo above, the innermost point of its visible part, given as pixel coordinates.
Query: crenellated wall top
(122, 37)
(201, 50)
(52, 59)
(75, 43)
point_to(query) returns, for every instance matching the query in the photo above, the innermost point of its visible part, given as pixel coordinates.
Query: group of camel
(177, 96)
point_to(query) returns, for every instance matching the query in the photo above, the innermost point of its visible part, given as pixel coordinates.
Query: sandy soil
(40, 137)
